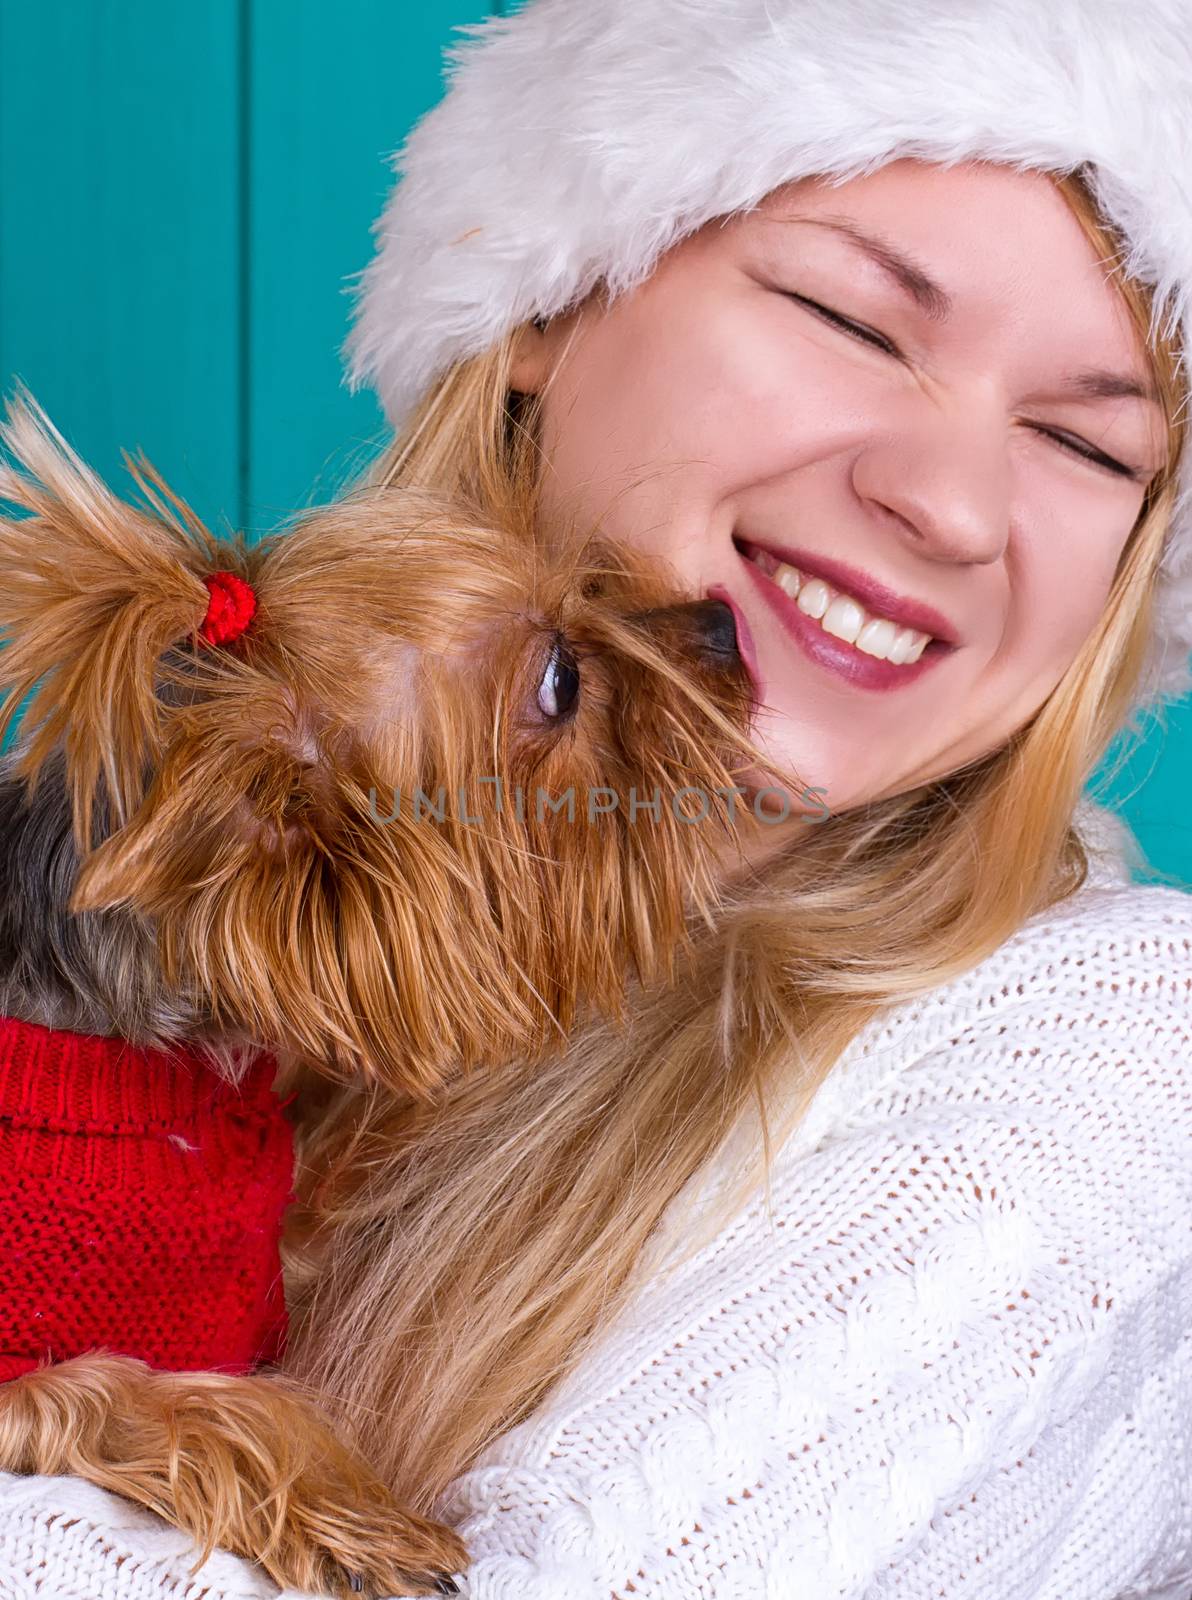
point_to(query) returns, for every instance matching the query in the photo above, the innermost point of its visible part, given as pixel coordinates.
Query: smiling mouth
(836, 612)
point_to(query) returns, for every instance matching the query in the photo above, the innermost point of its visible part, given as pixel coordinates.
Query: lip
(835, 655)
(874, 596)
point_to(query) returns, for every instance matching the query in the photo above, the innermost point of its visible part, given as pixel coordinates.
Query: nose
(945, 480)
(704, 628)
(715, 629)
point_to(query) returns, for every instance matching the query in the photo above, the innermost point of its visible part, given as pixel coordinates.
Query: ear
(539, 345)
(288, 902)
(531, 358)
(214, 791)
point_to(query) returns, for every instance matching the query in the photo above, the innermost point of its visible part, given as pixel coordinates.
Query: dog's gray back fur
(95, 972)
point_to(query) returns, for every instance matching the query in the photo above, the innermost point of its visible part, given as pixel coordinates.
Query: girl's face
(917, 386)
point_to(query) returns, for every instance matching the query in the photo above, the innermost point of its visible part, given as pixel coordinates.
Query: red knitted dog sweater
(141, 1199)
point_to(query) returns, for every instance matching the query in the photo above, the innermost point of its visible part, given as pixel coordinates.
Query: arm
(63, 1537)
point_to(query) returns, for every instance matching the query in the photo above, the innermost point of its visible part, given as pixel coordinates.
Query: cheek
(719, 391)
(1069, 561)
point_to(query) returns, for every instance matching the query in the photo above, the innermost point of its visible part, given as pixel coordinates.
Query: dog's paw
(373, 1552)
(443, 1585)
(244, 1464)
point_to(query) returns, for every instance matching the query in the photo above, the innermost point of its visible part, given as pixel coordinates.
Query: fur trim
(579, 139)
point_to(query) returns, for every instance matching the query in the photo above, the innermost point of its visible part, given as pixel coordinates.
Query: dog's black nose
(704, 628)
(716, 627)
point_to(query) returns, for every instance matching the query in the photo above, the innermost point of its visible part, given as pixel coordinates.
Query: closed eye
(1097, 457)
(1074, 446)
(856, 329)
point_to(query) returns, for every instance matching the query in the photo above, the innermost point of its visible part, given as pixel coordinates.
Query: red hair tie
(230, 609)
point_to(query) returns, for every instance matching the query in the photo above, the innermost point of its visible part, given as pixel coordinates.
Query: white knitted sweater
(955, 1361)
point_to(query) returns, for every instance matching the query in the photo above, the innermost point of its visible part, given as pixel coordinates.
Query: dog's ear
(298, 907)
(239, 770)
(93, 591)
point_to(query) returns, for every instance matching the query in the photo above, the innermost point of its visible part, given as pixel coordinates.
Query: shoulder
(1112, 955)
(1145, 929)
(1108, 939)
(1109, 967)
(1062, 1062)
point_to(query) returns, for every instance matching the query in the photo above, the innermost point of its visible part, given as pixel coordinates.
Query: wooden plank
(119, 230)
(334, 91)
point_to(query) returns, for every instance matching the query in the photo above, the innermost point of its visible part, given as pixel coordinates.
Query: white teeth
(814, 597)
(788, 580)
(907, 647)
(876, 637)
(845, 618)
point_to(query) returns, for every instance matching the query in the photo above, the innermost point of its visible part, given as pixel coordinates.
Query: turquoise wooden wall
(185, 191)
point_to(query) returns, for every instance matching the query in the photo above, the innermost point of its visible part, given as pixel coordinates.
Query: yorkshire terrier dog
(387, 796)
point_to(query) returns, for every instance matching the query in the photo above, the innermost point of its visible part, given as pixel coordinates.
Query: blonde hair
(493, 1239)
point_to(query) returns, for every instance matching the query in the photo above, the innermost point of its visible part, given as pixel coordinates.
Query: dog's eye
(559, 689)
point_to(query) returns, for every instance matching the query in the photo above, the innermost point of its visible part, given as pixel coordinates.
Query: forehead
(1002, 243)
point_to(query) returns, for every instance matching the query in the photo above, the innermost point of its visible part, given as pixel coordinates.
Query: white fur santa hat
(579, 139)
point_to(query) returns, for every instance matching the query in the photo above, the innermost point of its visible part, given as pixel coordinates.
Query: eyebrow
(1095, 383)
(1088, 383)
(912, 278)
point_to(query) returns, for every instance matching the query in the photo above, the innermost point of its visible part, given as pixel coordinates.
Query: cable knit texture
(141, 1199)
(953, 1358)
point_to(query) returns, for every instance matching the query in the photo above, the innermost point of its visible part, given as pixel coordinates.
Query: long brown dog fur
(238, 1463)
(223, 806)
